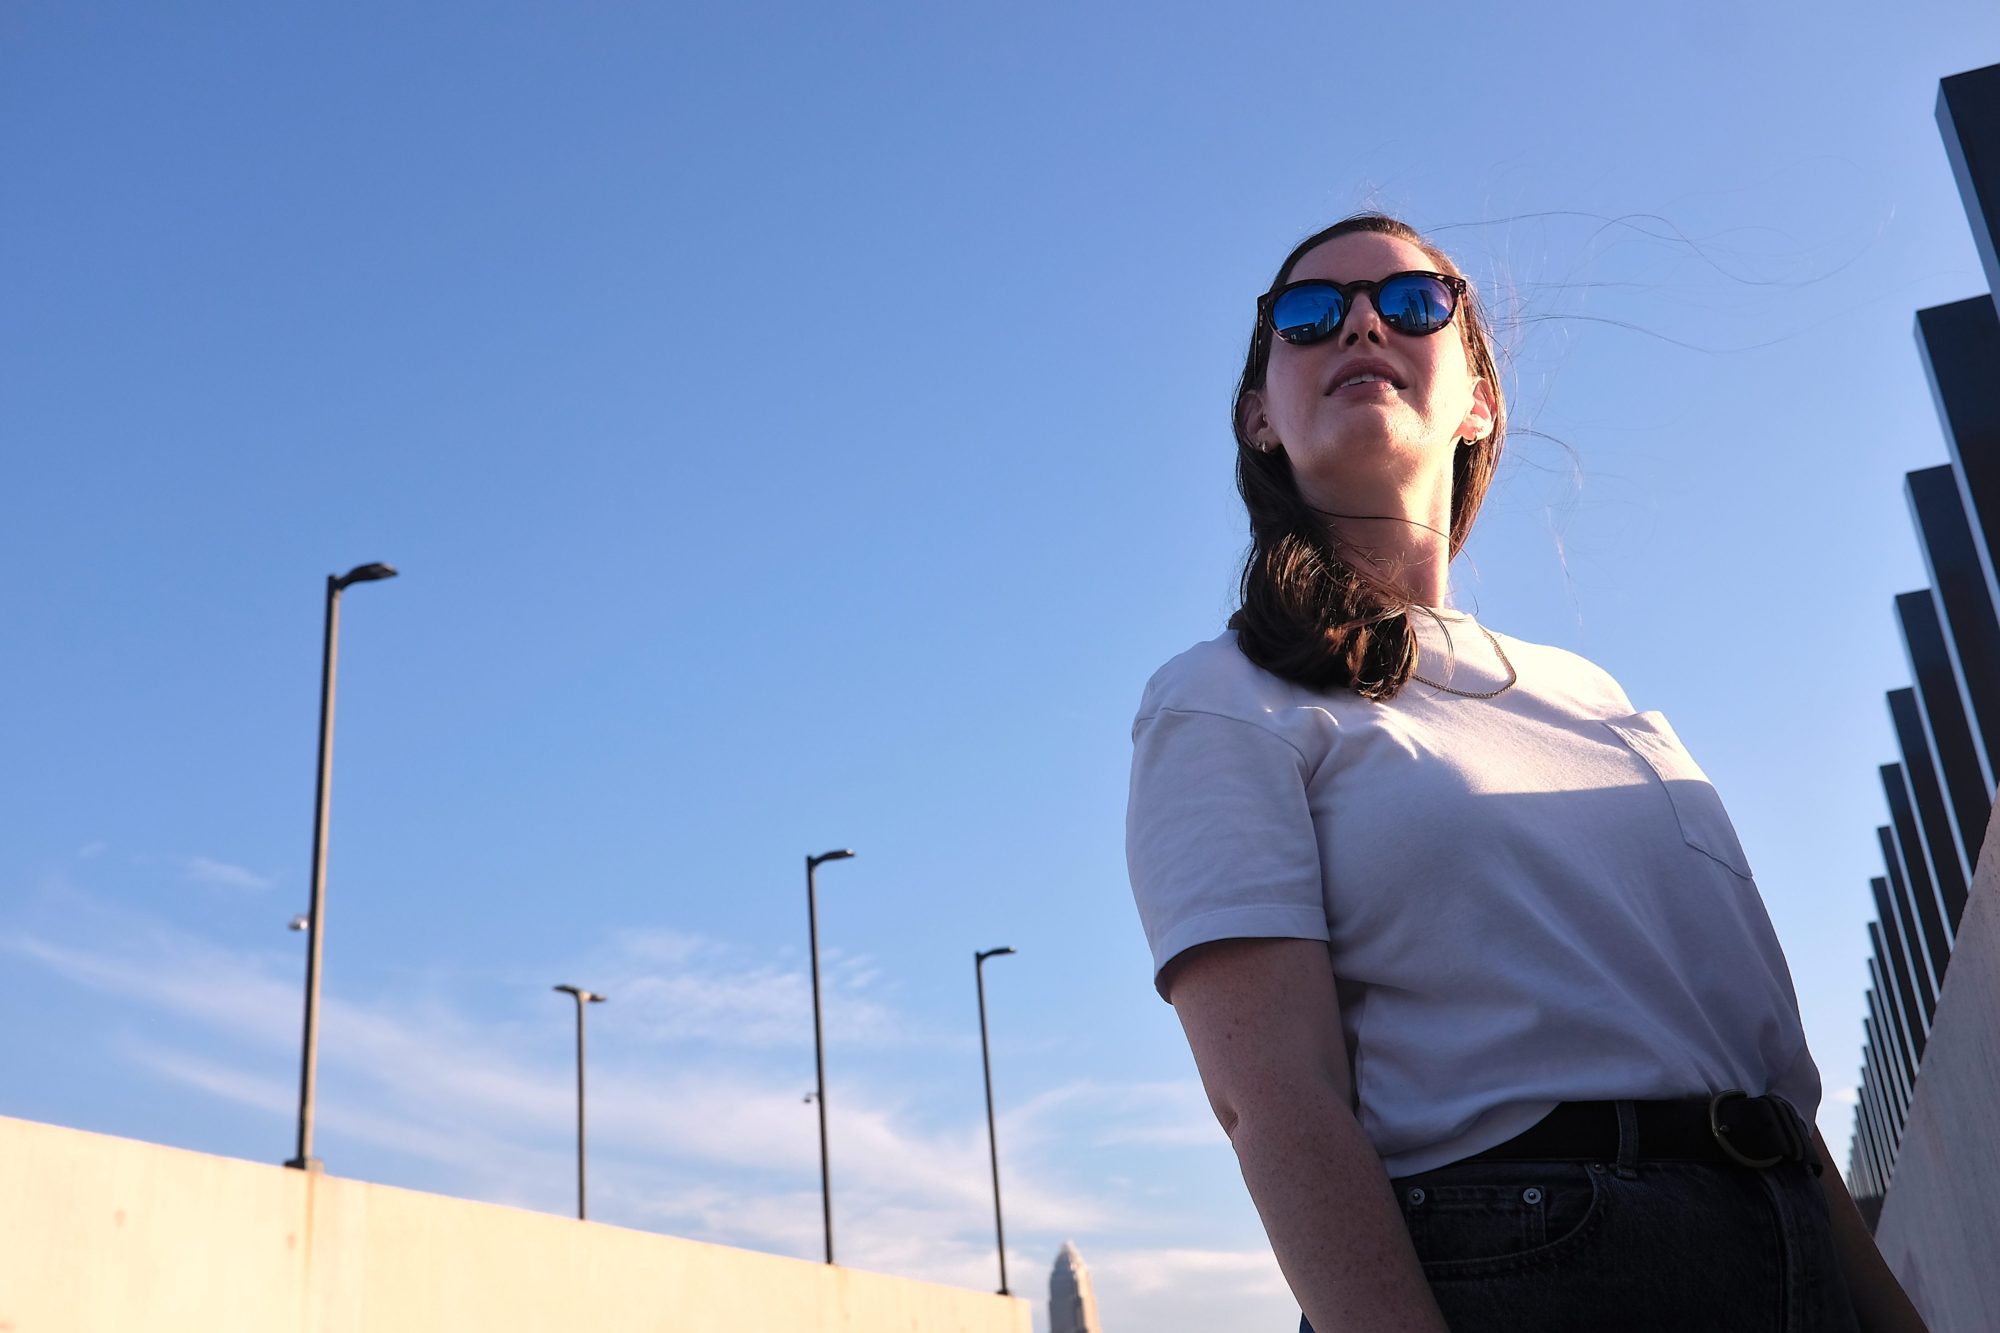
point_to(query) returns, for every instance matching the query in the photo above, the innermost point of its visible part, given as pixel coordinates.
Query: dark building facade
(1939, 793)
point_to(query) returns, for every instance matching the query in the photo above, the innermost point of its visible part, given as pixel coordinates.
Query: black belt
(1749, 1131)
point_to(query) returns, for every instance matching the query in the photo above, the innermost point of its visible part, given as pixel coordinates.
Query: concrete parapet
(100, 1234)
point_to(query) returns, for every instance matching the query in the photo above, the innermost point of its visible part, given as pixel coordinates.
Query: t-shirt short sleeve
(1219, 837)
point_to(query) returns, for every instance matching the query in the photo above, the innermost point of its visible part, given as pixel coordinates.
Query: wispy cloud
(679, 987)
(1144, 1271)
(1192, 1288)
(665, 948)
(225, 991)
(221, 874)
(1154, 1113)
(229, 1084)
(688, 1140)
(494, 1167)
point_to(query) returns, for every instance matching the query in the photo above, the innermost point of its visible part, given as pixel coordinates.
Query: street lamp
(309, 1061)
(819, 1045)
(583, 997)
(992, 1140)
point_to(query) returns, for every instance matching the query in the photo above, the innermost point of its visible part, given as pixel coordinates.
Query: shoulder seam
(1257, 727)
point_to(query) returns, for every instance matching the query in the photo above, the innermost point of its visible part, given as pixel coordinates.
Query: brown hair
(1306, 614)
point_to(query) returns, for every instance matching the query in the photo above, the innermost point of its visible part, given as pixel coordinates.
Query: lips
(1363, 366)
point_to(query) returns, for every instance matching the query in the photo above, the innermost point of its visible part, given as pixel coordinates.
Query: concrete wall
(1940, 1223)
(100, 1234)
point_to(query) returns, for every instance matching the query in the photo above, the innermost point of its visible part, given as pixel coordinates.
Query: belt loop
(1628, 1141)
(1801, 1132)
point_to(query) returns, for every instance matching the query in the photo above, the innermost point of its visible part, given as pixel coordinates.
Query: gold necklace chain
(1512, 675)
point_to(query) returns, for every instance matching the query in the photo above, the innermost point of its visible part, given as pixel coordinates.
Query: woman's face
(1359, 439)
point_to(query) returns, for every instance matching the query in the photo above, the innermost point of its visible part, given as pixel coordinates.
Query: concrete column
(1942, 854)
(1943, 710)
(1958, 580)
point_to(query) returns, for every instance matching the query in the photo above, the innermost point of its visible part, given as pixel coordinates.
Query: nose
(1354, 327)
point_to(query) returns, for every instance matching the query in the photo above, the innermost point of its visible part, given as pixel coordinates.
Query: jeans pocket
(1697, 808)
(1476, 1218)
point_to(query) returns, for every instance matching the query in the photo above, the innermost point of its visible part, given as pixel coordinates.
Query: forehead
(1359, 256)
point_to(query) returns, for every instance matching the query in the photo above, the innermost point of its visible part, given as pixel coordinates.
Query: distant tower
(1072, 1304)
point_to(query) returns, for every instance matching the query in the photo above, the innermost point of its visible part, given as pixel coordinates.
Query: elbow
(1298, 1106)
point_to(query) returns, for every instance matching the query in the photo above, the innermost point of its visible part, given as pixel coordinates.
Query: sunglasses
(1416, 303)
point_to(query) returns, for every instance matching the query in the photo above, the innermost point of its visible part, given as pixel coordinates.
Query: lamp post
(992, 1139)
(819, 1044)
(583, 997)
(309, 1061)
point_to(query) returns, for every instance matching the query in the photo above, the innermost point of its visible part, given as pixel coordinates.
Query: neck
(1420, 575)
(1405, 545)
(1390, 522)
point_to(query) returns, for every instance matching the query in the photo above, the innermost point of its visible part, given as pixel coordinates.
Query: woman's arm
(1878, 1298)
(1263, 1021)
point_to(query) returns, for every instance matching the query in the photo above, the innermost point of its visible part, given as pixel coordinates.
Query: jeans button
(1531, 1195)
(1416, 1196)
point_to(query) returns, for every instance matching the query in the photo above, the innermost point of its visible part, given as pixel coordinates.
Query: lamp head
(992, 953)
(365, 574)
(824, 857)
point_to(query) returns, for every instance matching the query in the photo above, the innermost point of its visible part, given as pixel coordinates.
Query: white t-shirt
(1529, 899)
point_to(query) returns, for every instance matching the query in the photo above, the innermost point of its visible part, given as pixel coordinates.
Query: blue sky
(806, 426)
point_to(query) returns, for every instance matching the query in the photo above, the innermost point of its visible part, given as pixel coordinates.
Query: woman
(1475, 974)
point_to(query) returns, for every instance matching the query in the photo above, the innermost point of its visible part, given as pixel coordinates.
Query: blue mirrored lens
(1414, 303)
(1307, 314)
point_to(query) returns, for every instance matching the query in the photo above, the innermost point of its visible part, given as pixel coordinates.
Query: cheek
(1290, 387)
(1450, 378)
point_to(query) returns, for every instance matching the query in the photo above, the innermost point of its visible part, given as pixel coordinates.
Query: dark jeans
(1631, 1245)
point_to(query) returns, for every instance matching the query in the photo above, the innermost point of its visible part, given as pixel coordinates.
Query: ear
(1250, 419)
(1478, 423)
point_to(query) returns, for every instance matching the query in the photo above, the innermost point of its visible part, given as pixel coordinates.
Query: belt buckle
(1721, 1132)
